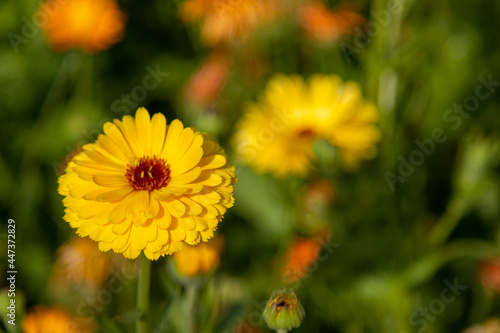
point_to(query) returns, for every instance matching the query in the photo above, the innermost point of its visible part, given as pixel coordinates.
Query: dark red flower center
(151, 173)
(307, 133)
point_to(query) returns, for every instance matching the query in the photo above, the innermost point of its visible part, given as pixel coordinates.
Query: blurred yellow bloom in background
(277, 134)
(147, 186)
(89, 25)
(224, 20)
(328, 25)
(55, 320)
(79, 262)
(199, 259)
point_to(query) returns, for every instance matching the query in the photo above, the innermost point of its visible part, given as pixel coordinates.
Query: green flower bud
(284, 311)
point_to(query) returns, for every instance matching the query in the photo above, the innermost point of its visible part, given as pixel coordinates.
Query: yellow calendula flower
(225, 20)
(89, 25)
(147, 186)
(199, 259)
(55, 320)
(277, 134)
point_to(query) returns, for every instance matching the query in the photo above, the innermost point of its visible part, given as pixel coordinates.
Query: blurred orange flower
(199, 259)
(89, 25)
(301, 255)
(79, 262)
(225, 20)
(490, 276)
(489, 326)
(328, 25)
(246, 328)
(208, 81)
(55, 319)
(318, 193)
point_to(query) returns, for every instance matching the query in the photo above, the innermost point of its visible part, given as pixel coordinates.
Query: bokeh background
(373, 249)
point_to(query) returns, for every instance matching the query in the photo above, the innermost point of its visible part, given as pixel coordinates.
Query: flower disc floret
(149, 174)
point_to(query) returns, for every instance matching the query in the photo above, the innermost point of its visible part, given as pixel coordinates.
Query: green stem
(191, 301)
(426, 267)
(447, 223)
(281, 331)
(141, 325)
(84, 82)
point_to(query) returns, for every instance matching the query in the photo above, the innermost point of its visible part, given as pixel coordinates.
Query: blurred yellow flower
(89, 25)
(200, 259)
(207, 83)
(79, 262)
(327, 25)
(225, 20)
(277, 135)
(55, 320)
(147, 186)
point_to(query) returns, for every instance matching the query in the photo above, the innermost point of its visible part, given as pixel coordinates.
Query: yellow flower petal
(175, 207)
(158, 129)
(129, 130)
(111, 180)
(143, 125)
(153, 209)
(187, 223)
(149, 232)
(121, 228)
(173, 133)
(192, 207)
(114, 134)
(178, 234)
(190, 159)
(131, 252)
(114, 195)
(213, 162)
(186, 178)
